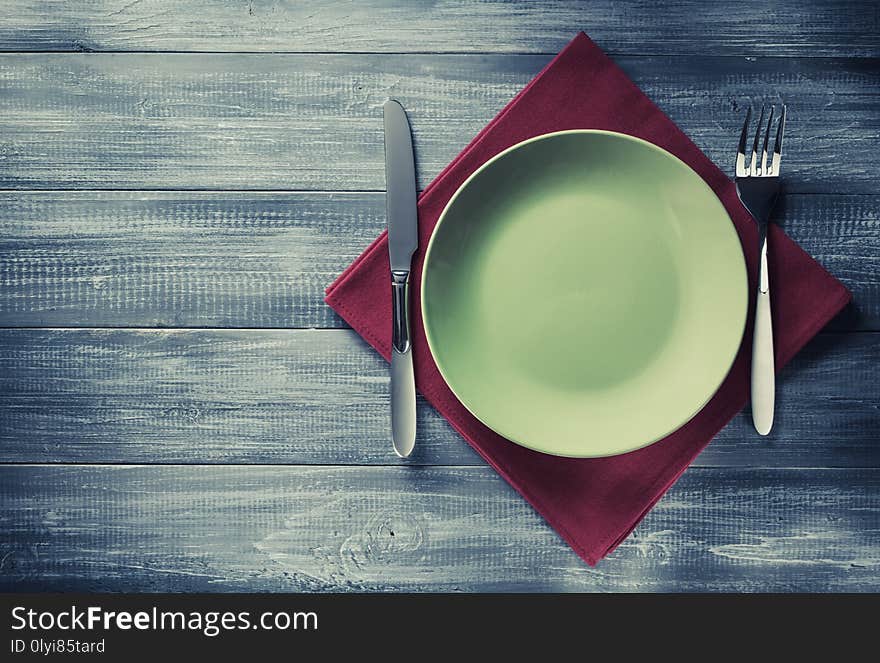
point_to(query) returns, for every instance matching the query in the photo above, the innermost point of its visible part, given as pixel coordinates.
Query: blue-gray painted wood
(306, 122)
(228, 259)
(321, 397)
(692, 27)
(251, 528)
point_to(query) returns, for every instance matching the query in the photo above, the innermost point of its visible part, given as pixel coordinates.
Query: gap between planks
(476, 54)
(403, 465)
(275, 329)
(328, 192)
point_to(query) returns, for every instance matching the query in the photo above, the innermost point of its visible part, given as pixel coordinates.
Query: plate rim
(729, 362)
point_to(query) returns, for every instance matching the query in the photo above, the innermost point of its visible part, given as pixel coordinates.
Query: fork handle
(763, 362)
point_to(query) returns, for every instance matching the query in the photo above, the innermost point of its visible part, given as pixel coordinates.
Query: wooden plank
(843, 234)
(437, 529)
(306, 122)
(196, 259)
(687, 28)
(321, 397)
(178, 259)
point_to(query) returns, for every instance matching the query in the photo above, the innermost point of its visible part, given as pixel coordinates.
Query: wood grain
(158, 423)
(321, 397)
(438, 529)
(193, 259)
(682, 28)
(178, 259)
(307, 122)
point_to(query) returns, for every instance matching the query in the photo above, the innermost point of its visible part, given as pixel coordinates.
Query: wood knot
(186, 412)
(21, 560)
(387, 539)
(389, 535)
(652, 545)
(82, 46)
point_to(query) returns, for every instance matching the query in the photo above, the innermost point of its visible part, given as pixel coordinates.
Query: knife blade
(403, 240)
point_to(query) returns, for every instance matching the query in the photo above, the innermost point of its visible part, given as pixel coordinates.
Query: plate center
(612, 303)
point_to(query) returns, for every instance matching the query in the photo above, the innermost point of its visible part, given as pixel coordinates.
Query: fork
(757, 184)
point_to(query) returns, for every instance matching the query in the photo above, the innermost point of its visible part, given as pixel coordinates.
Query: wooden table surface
(179, 411)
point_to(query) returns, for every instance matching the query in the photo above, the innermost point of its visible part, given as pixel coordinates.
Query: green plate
(584, 293)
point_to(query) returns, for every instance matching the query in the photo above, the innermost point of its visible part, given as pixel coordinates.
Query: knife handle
(403, 403)
(400, 311)
(403, 384)
(763, 362)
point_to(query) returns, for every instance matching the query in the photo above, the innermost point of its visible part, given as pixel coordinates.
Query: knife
(403, 239)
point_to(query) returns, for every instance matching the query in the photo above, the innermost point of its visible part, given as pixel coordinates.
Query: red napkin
(593, 503)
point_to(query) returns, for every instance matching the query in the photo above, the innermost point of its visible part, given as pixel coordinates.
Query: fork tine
(741, 151)
(777, 147)
(753, 168)
(764, 170)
